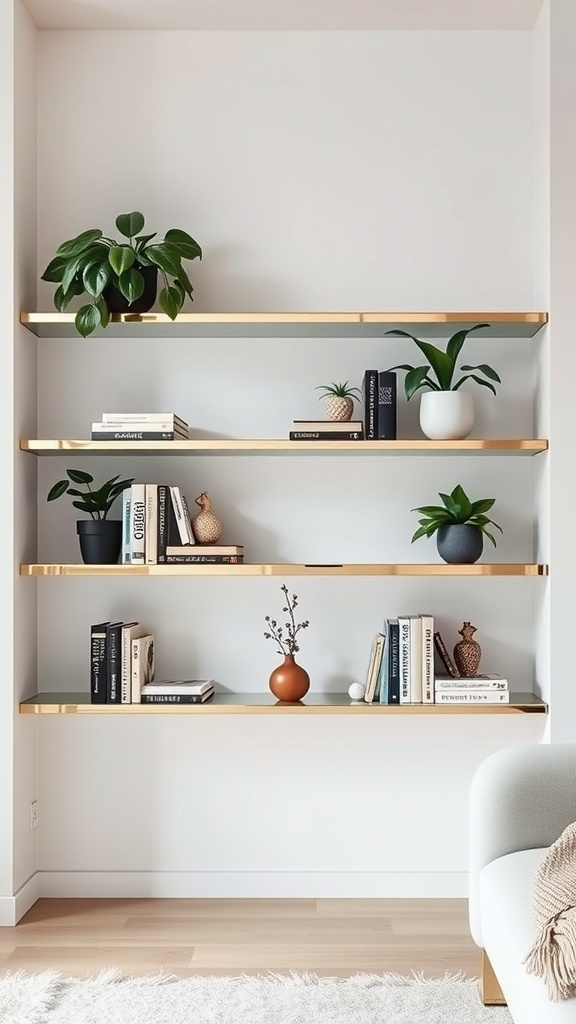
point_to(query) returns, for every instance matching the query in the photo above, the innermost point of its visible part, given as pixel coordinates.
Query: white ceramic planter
(446, 415)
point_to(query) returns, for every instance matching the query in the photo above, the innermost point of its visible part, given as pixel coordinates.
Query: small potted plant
(339, 400)
(446, 413)
(460, 525)
(100, 538)
(121, 277)
(289, 682)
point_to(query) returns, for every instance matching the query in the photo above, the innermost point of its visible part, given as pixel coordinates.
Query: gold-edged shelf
(288, 569)
(290, 325)
(266, 704)
(280, 446)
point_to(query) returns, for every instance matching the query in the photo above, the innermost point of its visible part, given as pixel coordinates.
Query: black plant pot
(117, 303)
(459, 544)
(100, 540)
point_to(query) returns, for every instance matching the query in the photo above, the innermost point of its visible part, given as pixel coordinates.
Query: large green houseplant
(121, 276)
(446, 413)
(460, 525)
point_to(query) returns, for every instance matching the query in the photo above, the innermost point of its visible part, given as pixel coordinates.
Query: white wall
(333, 170)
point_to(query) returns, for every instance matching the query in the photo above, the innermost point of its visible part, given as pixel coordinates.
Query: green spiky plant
(90, 263)
(342, 390)
(456, 510)
(97, 503)
(439, 372)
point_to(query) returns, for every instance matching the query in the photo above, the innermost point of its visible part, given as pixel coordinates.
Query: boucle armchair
(521, 800)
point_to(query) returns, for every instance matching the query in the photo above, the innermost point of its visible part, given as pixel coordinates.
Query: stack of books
(122, 661)
(178, 691)
(157, 530)
(140, 426)
(379, 389)
(401, 668)
(327, 430)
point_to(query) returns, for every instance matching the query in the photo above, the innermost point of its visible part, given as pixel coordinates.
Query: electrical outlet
(33, 815)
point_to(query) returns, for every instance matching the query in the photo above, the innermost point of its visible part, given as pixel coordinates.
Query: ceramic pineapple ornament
(206, 526)
(339, 400)
(467, 652)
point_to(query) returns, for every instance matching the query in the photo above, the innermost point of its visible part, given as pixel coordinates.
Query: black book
(114, 662)
(370, 393)
(387, 390)
(394, 662)
(135, 435)
(164, 507)
(176, 698)
(98, 670)
(326, 435)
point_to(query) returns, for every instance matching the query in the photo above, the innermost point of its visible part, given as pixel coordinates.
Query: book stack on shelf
(327, 430)
(379, 389)
(178, 691)
(401, 669)
(157, 530)
(140, 426)
(122, 661)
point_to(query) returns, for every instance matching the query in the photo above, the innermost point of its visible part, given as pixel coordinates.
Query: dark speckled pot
(459, 545)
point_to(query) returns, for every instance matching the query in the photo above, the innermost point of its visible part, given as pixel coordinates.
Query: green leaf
(77, 245)
(57, 490)
(55, 270)
(143, 239)
(184, 280)
(484, 383)
(170, 302)
(452, 505)
(414, 380)
(78, 476)
(488, 534)
(104, 311)
(429, 510)
(462, 500)
(87, 319)
(441, 363)
(421, 532)
(185, 245)
(130, 224)
(484, 505)
(486, 370)
(96, 276)
(131, 284)
(62, 298)
(455, 344)
(164, 259)
(121, 258)
(84, 507)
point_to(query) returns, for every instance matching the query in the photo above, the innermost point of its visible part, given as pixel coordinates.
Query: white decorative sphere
(356, 691)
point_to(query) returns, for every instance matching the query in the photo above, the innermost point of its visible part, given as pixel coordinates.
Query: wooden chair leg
(491, 992)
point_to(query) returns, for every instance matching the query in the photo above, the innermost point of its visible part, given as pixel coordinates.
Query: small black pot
(100, 540)
(117, 303)
(459, 544)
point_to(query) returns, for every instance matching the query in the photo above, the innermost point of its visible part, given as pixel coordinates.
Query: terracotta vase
(289, 682)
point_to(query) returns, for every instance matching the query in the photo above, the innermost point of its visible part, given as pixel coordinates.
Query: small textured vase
(339, 408)
(289, 682)
(206, 526)
(467, 652)
(459, 544)
(446, 415)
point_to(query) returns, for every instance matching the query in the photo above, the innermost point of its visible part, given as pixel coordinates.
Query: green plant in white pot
(446, 413)
(460, 526)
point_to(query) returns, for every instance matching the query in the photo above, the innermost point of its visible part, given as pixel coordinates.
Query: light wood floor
(185, 937)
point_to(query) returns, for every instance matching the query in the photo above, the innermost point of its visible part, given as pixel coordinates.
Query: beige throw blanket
(553, 955)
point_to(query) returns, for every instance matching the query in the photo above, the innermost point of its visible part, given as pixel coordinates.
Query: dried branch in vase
(285, 636)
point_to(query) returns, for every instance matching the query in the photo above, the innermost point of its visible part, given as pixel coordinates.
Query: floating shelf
(289, 325)
(280, 446)
(287, 569)
(266, 704)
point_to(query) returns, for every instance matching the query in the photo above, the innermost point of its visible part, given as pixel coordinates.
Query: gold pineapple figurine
(206, 525)
(467, 652)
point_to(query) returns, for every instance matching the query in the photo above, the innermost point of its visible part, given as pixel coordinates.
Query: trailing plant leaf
(130, 224)
(131, 284)
(121, 258)
(74, 246)
(87, 319)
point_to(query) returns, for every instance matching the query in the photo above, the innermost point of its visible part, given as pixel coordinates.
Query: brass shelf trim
(265, 704)
(281, 446)
(288, 569)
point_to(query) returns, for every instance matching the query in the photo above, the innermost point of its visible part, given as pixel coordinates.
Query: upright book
(370, 397)
(138, 524)
(113, 632)
(143, 664)
(404, 659)
(98, 663)
(393, 661)
(387, 389)
(427, 659)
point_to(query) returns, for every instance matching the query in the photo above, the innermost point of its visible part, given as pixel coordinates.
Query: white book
(125, 556)
(427, 659)
(129, 631)
(151, 548)
(459, 696)
(374, 667)
(142, 417)
(143, 664)
(138, 524)
(483, 682)
(186, 536)
(134, 426)
(415, 659)
(405, 661)
(198, 686)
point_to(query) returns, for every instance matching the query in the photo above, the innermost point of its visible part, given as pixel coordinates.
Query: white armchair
(521, 799)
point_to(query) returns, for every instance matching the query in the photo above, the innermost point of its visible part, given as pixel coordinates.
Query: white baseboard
(13, 908)
(254, 884)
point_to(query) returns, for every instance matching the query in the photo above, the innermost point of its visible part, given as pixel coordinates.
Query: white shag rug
(111, 998)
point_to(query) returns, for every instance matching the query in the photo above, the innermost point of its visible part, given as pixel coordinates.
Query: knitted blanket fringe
(553, 955)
